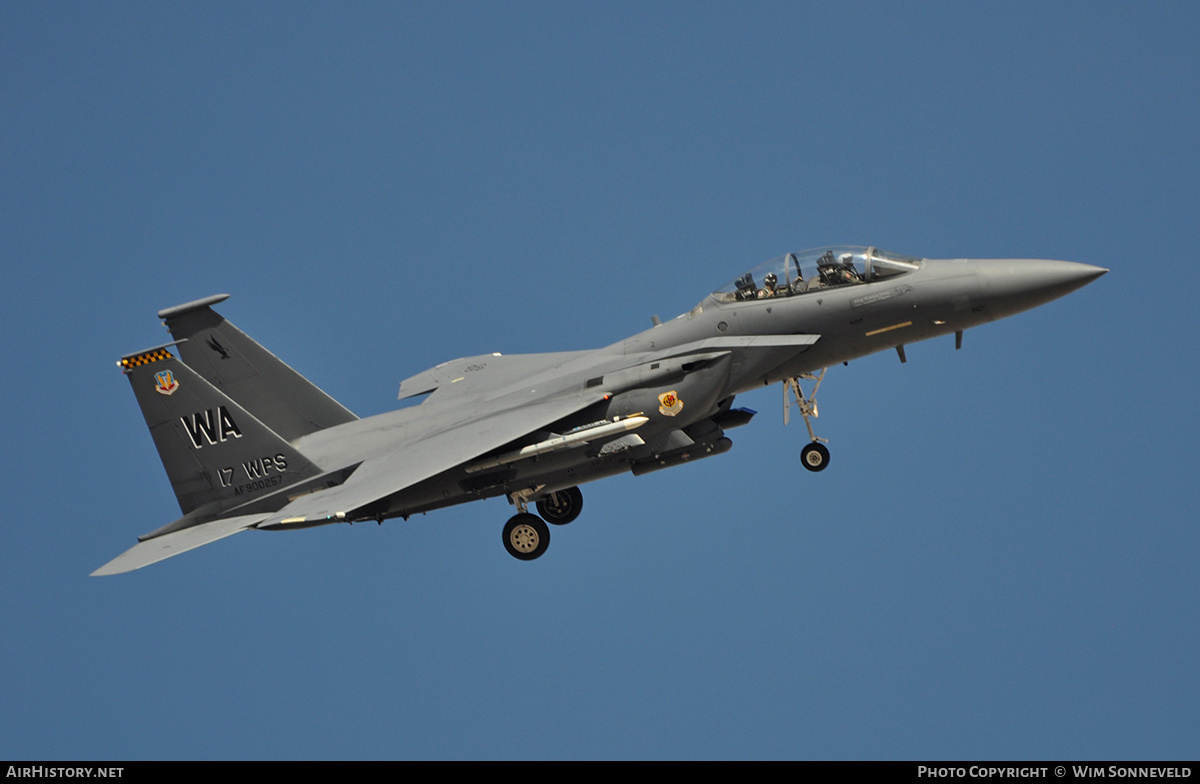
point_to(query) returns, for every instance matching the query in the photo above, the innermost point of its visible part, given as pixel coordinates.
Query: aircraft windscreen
(811, 270)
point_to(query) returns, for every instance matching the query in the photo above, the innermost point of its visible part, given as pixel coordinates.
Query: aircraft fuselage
(852, 319)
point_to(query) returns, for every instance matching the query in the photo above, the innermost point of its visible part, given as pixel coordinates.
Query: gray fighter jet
(247, 442)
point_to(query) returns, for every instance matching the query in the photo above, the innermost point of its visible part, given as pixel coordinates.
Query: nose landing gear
(815, 456)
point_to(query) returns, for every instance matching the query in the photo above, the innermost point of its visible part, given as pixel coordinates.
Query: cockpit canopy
(810, 270)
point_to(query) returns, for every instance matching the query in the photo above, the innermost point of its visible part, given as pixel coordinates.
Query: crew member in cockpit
(829, 276)
(845, 275)
(848, 273)
(769, 286)
(837, 273)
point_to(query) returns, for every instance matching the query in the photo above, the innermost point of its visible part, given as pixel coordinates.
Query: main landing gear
(815, 456)
(562, 507)
(526, 536)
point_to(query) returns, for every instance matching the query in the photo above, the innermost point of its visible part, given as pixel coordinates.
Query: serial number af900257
(260, 484)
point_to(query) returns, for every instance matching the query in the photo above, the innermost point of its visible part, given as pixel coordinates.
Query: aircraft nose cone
(1012, 285)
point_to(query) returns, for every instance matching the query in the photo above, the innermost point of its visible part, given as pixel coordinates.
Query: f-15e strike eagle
(247, 442)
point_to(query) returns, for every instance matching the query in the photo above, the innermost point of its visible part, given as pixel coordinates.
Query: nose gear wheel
(814, 457)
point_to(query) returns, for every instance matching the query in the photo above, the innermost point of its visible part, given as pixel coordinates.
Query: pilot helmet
(770, 279)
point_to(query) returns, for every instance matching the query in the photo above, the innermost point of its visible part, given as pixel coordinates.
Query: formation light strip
(889, 329)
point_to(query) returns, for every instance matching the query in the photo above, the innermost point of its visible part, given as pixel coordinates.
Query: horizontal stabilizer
(162, 547)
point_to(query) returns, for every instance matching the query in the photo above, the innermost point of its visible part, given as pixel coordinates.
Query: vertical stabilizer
(259, 381)
(214, 451)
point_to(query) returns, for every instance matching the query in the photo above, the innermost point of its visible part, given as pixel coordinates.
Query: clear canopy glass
(818, 268)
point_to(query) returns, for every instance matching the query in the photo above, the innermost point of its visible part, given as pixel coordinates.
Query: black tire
(814, 457)
(526, 536)
(562, 507)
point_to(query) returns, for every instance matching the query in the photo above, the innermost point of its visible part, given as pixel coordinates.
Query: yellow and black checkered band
(145, 358)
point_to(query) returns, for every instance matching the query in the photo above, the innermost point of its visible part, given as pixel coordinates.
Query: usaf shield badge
(165, 383)
(669, 403)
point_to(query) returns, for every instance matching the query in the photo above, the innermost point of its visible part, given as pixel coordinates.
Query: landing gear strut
(815, 456)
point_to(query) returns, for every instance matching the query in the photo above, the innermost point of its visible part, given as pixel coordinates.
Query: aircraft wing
(426, 456)
(441, 449)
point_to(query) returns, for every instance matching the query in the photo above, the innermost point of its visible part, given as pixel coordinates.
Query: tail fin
(230, 360)
(215, 452)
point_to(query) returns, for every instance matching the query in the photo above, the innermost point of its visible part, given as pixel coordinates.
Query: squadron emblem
(165, 383)
(669, 404)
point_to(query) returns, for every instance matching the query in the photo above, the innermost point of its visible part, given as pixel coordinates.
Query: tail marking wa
(215, 426)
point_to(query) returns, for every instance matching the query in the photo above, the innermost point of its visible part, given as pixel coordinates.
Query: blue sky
(999, 562)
